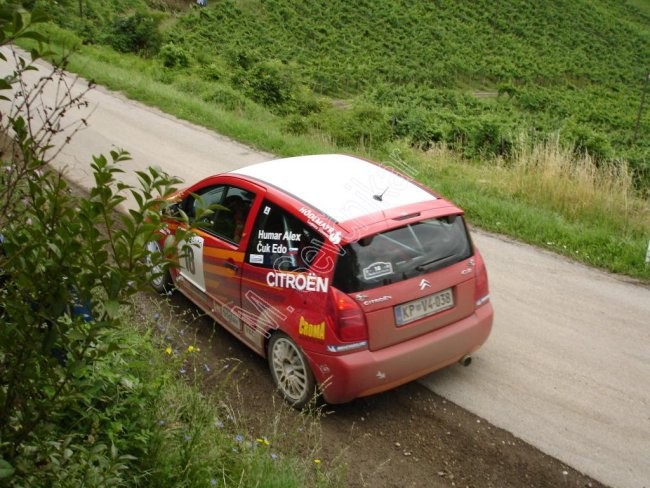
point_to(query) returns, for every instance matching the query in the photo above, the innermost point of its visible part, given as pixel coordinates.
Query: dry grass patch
(574, 185)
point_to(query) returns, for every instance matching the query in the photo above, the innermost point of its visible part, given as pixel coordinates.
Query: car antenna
(380, 196)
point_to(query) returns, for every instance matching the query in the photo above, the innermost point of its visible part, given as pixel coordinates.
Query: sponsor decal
(333, 235)
(256, 259)
(259, 318)
(347, 347)
(230, 316)
(299, 281)
(313, 331)
(376, 270)
(251, 333)
(267, 210)
(372, 301)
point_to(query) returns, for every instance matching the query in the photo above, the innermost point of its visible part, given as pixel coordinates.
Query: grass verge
(549, 198)
(201, 439)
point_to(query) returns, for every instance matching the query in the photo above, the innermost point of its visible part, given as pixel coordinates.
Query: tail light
(481, 290)
(351, 320)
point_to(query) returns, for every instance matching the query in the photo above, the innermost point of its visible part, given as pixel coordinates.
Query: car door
(211, 266)
(281, 288)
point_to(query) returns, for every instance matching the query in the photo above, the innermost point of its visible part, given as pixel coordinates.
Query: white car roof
(339, 186)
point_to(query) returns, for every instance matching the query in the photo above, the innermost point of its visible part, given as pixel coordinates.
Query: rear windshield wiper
(425, 266)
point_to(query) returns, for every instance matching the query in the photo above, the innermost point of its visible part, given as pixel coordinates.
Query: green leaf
(6, 469)
(18, 22)
(34, 35)
(38, 16)
(112, 308)
(138, 198)
(144, 177)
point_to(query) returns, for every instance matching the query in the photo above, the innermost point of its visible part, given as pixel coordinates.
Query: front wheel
(159, 277)
(290, 370)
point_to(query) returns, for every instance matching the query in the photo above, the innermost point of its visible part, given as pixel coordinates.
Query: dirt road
(567, 368)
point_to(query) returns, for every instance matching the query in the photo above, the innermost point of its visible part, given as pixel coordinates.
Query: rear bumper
(346, 377)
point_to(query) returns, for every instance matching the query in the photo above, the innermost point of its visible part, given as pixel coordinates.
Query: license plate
(423, 307)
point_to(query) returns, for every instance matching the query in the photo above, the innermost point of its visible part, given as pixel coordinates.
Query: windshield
(402, 253)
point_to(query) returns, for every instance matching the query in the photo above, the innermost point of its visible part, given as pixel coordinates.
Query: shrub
(421, 127)
(588, 141)
(212, 71)
(174, 56)
(69, 263)
(364, 125)
(136, 33)
(483, 136)
(227, 97)
(270, 83)
(242, 58)
(296, 124)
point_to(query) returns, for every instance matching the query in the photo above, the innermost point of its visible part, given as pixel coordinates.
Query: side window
(281, 241)
(207, 198)
(230, 220)
(229, 207)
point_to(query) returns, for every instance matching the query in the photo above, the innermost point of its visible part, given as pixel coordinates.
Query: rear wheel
(290, 370)
(159, 278)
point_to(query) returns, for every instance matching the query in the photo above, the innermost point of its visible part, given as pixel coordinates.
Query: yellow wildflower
(192, 349)
(168, 350)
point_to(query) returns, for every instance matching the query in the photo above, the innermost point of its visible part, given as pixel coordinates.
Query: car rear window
(402, 253)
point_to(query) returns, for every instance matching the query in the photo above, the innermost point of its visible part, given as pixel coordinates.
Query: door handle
(230, 264)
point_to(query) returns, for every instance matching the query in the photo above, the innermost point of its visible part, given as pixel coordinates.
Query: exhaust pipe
(465, 360)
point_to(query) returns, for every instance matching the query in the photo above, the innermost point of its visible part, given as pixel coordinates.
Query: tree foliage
(135, 33)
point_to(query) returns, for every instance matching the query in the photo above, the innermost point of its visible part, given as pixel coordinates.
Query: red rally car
(350, 277)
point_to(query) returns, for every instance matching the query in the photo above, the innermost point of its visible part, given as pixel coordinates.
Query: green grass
(200, 436)
(135, 78)
(590, 222)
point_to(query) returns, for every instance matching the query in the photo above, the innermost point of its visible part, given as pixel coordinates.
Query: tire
(160, 280)
(290, 371)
